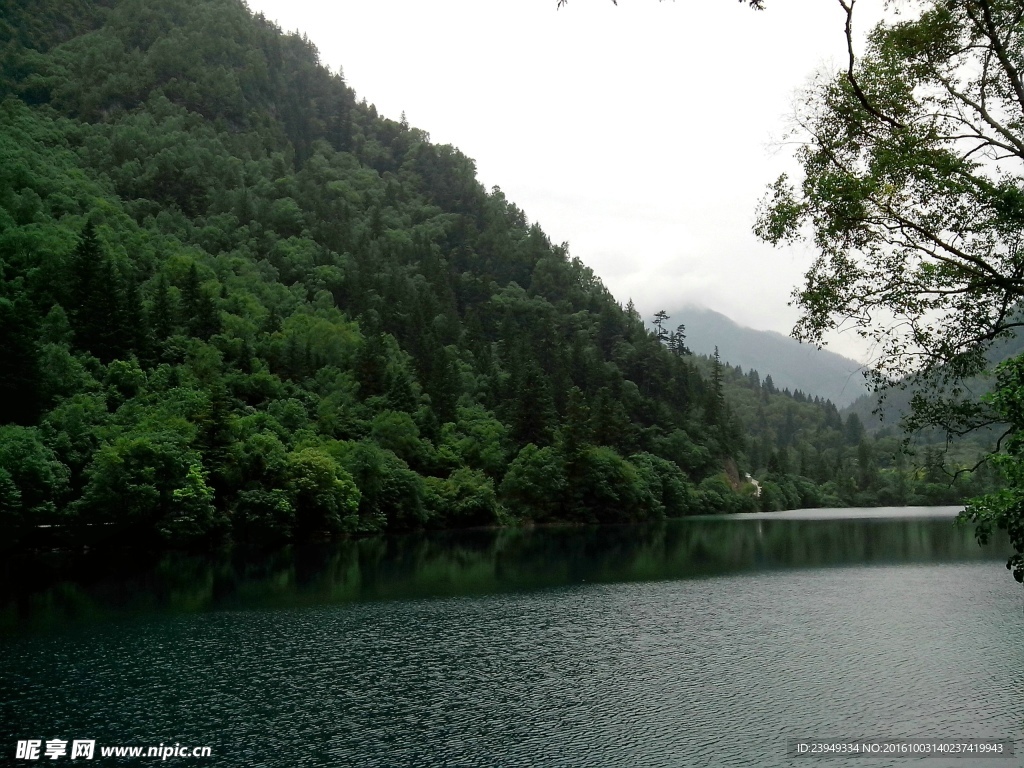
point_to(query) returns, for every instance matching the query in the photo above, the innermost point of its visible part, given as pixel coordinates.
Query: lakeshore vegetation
(237, 303)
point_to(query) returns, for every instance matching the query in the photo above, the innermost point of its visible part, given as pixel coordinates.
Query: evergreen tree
(199, 311)
(659, 325)
(533, 412)
(716, 393)
(677, 342)
(97, 294)
(162, 315)
(19, 371)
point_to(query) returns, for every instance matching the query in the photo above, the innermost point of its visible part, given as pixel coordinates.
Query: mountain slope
(236, 302)
(791, 365)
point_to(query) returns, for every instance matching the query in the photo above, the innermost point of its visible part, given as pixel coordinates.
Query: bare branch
(1017, 145)
(847, 6)
(992, 32)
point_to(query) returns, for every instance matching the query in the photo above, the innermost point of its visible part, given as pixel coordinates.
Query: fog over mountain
(791, 364)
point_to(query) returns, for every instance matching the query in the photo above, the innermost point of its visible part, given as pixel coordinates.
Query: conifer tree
(97, 296)
(162, 315)
(660, 318)
(198, 309)
(716, 393)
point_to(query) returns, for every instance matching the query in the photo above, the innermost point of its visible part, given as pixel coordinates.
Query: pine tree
(716, 394)
(85, 266)
(575, 435)
(162, 315)
(677, 342)
(199, 311)
(100, 317)
(444, 385)
(19, 369)
(659, 325)
(134, 325)
(534, 411)
(95, 293)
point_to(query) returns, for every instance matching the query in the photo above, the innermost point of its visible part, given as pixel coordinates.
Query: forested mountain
(805, 453)
(896, 404)
(885, 416)
(792, 365)
(237, 302)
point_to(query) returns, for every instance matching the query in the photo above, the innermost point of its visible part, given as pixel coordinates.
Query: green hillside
(806, 453)
(885, 414)
(238, 303)
(791, 364)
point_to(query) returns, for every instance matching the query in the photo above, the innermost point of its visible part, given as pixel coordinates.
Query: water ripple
(710, 672)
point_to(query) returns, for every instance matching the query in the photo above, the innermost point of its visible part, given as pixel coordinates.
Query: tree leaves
(912, 187)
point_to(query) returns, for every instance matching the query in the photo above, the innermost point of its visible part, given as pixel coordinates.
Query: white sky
(642, 134)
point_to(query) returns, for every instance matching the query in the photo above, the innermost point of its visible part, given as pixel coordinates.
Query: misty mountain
(890, 411)
(238, 305)
(792, 365)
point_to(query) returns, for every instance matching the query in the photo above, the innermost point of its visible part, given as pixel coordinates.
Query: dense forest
(808, 453)
(236, 302)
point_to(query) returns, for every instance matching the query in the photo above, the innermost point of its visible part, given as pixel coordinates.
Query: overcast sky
(642, 134)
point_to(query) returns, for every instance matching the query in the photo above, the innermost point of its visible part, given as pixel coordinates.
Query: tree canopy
(237, 303)
(912, 193)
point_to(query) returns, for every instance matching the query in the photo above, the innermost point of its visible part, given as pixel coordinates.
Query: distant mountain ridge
(896, 404)
(792, 365)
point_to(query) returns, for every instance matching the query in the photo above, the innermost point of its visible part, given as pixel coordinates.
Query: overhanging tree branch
(914, 192)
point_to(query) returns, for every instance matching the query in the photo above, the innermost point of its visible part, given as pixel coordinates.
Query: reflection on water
(855, 513)
(480, 562)
(695, 643)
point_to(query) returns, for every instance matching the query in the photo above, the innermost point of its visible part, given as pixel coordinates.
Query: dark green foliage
(323, 495)
(1004, 509)
(33, 482)
(198, 311)
(465, 498)
(391, 494)
(20, 371)
(236, 302)
(535, 484)
(804, 454)
(150, 484)
(605, 488)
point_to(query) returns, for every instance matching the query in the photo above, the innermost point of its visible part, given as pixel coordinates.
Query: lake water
(702, 642)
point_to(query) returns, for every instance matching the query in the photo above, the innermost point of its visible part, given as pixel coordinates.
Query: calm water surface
(698, 642)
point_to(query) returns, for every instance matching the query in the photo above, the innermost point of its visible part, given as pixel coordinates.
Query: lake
(698, 642)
